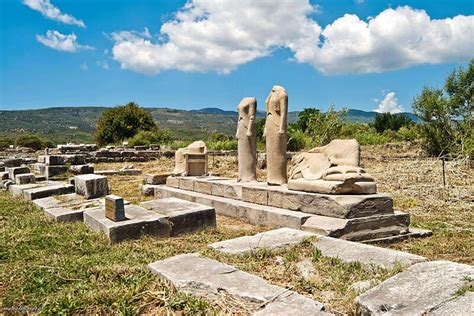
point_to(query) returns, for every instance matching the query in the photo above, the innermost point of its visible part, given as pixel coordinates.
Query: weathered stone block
(256, 194)
(55, 171)
(81, 169)
(156, 179)
(186, 183)
(185, 216)
(91, 185)
(418, 290)
(65, 214)
(45, 191)
(13, 171)
(12, 162)
(139, 221)
(173, 182)
(4, 175)
(25, 178)
(203, 186)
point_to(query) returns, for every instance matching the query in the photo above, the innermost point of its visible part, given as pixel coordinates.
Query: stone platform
(162, 218)
(351, 217)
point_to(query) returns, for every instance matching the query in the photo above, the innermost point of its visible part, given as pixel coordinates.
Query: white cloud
(84, 67)
(61, 42)
(211, 35)
(103, 64)
(389, 103)
(50, 11)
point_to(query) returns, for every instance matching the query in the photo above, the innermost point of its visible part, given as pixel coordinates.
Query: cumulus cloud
(211, 35)
(389, 103)
(61, 42)
(51, 12)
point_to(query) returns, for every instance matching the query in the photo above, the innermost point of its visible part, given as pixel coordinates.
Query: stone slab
(421, 288)
(12, 162)
(55, 171)
(139, 222)
(125, 172)
(461, 305)
(256, 214)
(272, 239)
(81, 169)
(155, 179)
(17, 189)
(45, 191)
(412, 233)
(13, 171)
(55, 160)
(185, 216)
(4, 175)
(349, 251)
(65, 214)
(208, 277)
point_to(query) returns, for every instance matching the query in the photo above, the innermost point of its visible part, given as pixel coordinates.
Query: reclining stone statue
(191, 161)
(331, 169)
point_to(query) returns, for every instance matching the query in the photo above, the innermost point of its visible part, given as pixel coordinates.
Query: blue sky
(104, 53)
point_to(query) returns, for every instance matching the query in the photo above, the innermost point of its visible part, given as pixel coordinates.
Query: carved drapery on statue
(275, 134)
(333, 169)
(192, 160)
(247, 140)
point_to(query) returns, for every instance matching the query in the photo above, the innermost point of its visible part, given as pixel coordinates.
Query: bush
(5, 142)
(388, 121)
(219, 137)
(222, 145)
(409, 133)
(324, 127)
(297, 140)
(146, 138)
(123, 122)
(32, 141)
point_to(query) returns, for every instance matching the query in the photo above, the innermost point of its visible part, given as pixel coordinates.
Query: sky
(359, 54)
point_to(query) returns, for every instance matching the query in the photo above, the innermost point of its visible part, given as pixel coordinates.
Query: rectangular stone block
(12, 162)
(65, 214)
(185, 216)
(114, 208)
(173, 182)
(203, 186)
(186, 183)
(55, 160)
(13, 171)
(91, 185)
(25, 178)
(81, 169)
(256, 194)
(45, 191)
(55, 171)
(156, 179)
(4, 175)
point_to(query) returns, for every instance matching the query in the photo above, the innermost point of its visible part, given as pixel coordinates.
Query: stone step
(421, 289)
(352, 229)
(17, 189)
(45, 191)
(339, 206)
(344, 250)
(67, 207)
(208, 278)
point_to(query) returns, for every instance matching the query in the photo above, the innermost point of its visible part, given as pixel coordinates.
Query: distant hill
(77, 124)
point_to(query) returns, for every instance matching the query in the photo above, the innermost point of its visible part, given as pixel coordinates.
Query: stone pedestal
(114, 208)
(91, 185)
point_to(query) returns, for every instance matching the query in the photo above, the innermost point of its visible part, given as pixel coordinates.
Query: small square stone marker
(114, 208)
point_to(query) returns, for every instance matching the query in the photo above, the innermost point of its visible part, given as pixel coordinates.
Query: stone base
(339, 206)
(139, 222)
(185, 217)
(360, 228)
(49, 190)
(332, 187)
(67, 207)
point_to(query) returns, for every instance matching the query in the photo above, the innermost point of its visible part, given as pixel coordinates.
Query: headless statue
(247, 140)
(334, 169)
(276, 134)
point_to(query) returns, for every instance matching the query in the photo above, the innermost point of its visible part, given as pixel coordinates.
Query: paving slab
(139, 221)
(17, 189)
(277, 238)
(207, 278)
(349, 251)
(185, 216)
(45, 191)
(461, 305)
(420, 289)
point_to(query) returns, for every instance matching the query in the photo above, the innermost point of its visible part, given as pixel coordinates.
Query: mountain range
(77, 124)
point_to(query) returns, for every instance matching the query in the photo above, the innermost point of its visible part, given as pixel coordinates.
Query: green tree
(388, 121)
(123, 122)
(260, 126)
(5, 142)
(146, 138)
(304, 116)
(447, 114)
(32, 141)
(324, 127)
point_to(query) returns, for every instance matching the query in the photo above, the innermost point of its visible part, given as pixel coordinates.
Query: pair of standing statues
(275, 134)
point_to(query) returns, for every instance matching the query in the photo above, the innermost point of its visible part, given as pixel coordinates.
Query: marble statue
(275, 133)
(191, 161)
(332, 169)
(247, 140)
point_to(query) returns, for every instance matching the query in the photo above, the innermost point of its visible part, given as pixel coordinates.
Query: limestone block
(91, 185)
(185, 216)
(12, 162)
(173, 182)
(156, 178)
(203, 186)
(55, 171)
(65, 214)
(148, 189)
(13, 171)
(462, 305)
(55, 160)
(81, 169)
(256, 193)
(332, 187)
(25, 178)
(418, 290)
(4, 175)
(186, 183)
(49, 190)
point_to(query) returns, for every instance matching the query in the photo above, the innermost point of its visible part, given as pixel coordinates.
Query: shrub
(388, 121)
(324, 127)
(219, 137)
(123, 122)
(146, 138)
(32, 141)
(222, 145)
(5, 142)
(409, 133)
(297, 140)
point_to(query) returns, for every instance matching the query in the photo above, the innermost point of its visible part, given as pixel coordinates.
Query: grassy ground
(63, 267)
